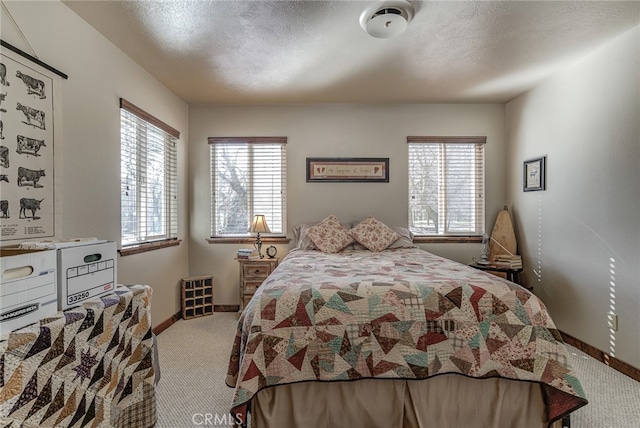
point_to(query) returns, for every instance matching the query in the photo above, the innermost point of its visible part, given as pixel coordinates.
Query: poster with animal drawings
(27, 204)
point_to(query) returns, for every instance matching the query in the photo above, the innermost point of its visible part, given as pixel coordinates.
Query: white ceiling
(263, 52)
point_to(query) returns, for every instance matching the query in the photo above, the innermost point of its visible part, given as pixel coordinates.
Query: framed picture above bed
(332, 170)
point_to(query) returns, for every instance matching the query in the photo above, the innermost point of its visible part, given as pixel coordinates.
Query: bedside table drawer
(250, 287)
(261, 270)
(252, 273)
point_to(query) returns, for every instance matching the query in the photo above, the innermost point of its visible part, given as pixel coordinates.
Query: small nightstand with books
(510, 265)
(253, 271)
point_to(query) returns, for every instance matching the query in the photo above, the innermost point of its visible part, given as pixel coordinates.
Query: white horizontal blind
(148, 174)
(446, 185)
(248, 177)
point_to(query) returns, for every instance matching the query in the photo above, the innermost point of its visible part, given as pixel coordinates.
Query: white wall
(581, 237)
(88, 154)
(340, 131)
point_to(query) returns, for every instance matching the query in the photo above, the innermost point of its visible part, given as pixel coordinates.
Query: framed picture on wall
(534, 174)
(332, 170)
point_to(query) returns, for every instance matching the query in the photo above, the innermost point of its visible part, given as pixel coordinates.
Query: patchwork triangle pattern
(362, 314)
(74, 369)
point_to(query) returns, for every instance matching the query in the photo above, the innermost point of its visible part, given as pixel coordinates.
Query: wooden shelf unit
(197, 296)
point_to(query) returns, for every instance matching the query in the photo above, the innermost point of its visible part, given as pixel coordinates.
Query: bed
(396, 337)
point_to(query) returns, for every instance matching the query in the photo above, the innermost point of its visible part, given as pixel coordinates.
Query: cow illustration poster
(27, 202)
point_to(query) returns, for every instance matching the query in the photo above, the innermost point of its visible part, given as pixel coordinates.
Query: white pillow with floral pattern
(329, 235)
(373, 234)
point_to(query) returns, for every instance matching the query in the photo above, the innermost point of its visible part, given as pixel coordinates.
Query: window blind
(446, 185)
(148, 174)
(248, 177)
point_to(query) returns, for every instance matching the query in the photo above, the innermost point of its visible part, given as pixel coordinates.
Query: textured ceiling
(263, 52)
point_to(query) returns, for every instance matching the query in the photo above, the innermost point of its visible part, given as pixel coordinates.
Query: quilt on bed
(402, 313)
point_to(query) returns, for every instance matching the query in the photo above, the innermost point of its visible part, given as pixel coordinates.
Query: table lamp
(259, 225)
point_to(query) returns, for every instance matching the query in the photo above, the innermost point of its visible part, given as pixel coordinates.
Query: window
(446, 186)
(248, 177)
(148, 170)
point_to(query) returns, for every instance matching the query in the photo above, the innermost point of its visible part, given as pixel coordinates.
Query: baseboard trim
(226, 308)
(603, 357)
(159, 328)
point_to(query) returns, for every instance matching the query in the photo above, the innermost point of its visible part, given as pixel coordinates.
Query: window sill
(249, 240)
(151, 246)
(424, 239)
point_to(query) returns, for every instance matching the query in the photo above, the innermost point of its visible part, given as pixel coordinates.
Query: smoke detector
(387, 18)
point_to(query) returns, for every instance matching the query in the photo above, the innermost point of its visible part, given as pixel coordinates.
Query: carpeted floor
(193, 357)
(194, 354)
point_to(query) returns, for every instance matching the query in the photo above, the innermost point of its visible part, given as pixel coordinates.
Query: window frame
(248, 237)
(170, 194)
(480, 222)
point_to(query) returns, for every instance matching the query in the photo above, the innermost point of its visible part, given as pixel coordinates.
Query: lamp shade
(259, 224)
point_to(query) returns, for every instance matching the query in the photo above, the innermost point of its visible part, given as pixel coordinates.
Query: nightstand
(512, 275)
(252, 273)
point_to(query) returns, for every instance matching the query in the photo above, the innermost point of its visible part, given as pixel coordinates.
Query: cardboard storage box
(85, 270)
(28, 290)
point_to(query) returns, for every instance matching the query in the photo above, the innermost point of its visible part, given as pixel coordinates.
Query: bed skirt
(443, 401)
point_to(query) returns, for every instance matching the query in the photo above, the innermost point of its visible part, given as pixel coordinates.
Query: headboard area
(333, 235)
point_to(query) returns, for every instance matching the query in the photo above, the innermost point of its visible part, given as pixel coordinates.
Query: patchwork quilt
(403, 313)
(89, 366)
